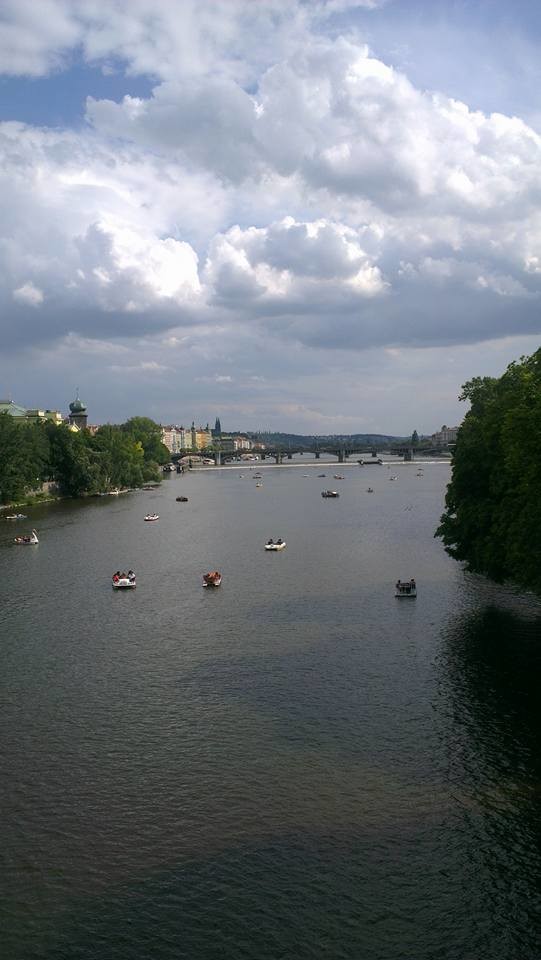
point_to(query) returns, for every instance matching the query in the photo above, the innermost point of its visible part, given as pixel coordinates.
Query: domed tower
(78, 414)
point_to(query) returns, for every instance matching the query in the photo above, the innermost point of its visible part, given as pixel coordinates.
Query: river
(294, 766)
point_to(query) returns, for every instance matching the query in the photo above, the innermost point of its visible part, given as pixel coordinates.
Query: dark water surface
(296, 765)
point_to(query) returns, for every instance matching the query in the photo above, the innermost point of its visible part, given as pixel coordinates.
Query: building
(78, 415)
(54, 416)
(242, 443)
(14, 409)
(444, 436)
(217, 432)
(174, 438)
(201, 437)
(32, 415)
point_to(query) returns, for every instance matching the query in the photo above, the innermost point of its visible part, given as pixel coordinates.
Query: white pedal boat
(124, 583)
(29, 538)
(275, 546)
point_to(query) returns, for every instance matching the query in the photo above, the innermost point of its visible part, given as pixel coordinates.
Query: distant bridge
(342, 452)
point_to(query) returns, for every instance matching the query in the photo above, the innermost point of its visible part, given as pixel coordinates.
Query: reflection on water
(295, 766)
(490, 673)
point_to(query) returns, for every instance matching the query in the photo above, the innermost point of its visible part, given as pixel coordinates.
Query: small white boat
(151, 516)
(405, 588)
(29, 538)
(16, 516)
(124, 581)
(279, 545)
(259, 484)
(329, 493)
(338, 476)
(393, 478)
(213, 579)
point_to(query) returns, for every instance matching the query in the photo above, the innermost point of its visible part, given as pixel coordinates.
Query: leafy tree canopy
(492, 519)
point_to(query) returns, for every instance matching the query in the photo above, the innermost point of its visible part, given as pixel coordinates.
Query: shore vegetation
(79, 463)
(492, 518)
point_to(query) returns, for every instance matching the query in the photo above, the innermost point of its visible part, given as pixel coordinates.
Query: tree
(149, 435)
(492, 519)
(24, 457)
(414, 438)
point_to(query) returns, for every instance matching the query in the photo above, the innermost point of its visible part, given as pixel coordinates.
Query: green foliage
(492, 519)
(79, 462)
(23, 457)
(414, 438)
(149, 435)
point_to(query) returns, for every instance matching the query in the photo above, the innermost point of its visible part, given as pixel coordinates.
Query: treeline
(493, 504)
(80, 463)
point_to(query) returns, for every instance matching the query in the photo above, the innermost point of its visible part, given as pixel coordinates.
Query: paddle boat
(123, 581)
(151, 516)
(338, 476)
(16, 516)
(329, 493)
(181, 499)
(273, 546)
(28, 538)
(405, 588)
(320, 475)
(213, 579)
(370, 490)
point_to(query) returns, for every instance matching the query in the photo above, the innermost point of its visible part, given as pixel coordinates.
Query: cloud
(29, 294)
(283, 192)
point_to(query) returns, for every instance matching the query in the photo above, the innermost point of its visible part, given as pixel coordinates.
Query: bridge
(279, 454)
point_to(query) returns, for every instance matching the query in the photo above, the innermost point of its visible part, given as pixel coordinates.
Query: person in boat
(116, 577)
(412, 583)
(279, 540)
(269, 542)
(131, 575)
(398, 584)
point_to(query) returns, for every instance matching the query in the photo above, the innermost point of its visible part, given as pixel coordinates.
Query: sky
(316, 216)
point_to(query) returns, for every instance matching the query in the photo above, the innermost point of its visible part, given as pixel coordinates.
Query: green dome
(77, 406)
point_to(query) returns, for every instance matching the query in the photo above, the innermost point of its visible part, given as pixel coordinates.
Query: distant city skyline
(321, 217)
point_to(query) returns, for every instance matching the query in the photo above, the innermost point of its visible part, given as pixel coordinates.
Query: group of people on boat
(123, 576)
(212, 579)
(277, 542)
(27, 538)
(404, 584)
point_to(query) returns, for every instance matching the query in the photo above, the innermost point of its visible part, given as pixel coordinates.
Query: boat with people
(27, 538)
(393, 478)
(213, 579)
(181, 499)
(151, 516)
(259, 484)
(274, 545)
(123, 581)
(405, 588)
(320, 475)
(338, 476)
(329, 493)
(370, 490)
(16, 516)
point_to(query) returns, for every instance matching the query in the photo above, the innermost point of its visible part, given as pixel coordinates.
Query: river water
(294, 766)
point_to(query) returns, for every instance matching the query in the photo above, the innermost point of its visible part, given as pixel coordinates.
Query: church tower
(78, 414)
(217, 432)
